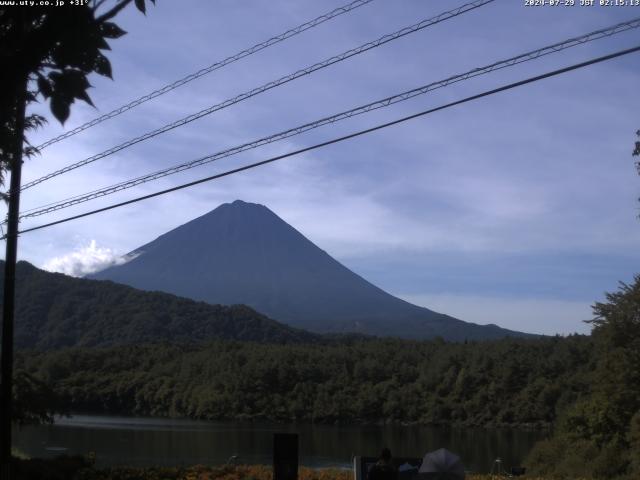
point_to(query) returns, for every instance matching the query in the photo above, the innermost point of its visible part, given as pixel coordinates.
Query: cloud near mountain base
(88, 259)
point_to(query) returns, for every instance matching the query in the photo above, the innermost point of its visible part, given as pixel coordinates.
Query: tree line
(586, 388)
(511, 382)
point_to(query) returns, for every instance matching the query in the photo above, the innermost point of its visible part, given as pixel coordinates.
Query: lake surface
(167, 442)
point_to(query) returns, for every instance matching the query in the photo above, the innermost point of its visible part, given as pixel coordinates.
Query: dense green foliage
(61, 468)
(507, 382)
(249, 367)
(34, 401)
(599, 436)
(56, 311)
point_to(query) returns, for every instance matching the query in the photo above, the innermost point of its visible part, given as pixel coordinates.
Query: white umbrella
(441, 465)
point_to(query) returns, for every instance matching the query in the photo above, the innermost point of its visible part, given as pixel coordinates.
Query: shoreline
(257, 420)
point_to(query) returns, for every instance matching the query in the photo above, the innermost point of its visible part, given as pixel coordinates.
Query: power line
(206, 70)
(268, 86)
(343, 138)
(532, 55)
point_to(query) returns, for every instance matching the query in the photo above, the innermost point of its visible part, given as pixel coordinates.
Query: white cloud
(88, 259)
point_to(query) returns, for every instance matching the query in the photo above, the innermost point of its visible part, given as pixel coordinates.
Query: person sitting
(383, 468)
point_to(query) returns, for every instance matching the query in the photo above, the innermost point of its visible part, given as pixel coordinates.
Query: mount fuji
(243, 253)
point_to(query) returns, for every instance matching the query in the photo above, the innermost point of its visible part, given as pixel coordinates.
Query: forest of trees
(499, 383)
(599, 435)
(99, 347)
(586, 388)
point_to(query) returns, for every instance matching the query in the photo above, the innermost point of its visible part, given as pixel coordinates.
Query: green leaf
(55, 76)
(33, 122)
(88, 60)
(85, 97)
(60, 108)
(102, 44)
(111, 30)
(141, 6)
(30, 96)
(30, 151)
(70, 84)
(73, 84)
(102, 66)
(44, 86)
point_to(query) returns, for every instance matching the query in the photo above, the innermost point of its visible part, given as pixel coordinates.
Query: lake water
(167, 442)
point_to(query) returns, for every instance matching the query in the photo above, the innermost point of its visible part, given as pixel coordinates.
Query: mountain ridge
(244, 253)
(56, 311)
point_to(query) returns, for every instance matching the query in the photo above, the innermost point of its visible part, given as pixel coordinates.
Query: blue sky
(519, 209)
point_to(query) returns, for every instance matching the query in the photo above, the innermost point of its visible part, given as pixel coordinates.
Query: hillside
(55, 311)
(244, 253)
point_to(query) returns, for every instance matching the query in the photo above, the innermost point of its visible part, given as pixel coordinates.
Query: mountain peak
(243, 253)
(231, 210)
(240, 204)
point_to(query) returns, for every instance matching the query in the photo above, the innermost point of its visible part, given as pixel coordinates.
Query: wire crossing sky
(518, 210)
(206, 70)
(449, 14)
(342, 138)
(525, 57)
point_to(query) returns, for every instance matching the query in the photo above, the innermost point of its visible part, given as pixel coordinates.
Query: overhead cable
(340, 139)
(268, 86)
(385, 102)
(206, 70)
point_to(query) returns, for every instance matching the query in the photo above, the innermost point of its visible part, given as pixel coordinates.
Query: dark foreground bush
(61, 468)
(78, 468)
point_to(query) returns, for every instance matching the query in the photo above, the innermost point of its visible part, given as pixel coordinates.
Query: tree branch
(113, 12)
(97, 4)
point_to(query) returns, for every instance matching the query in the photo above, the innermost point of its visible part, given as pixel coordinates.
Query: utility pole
(8, 299)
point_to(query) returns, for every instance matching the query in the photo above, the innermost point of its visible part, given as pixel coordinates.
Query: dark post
(8, 299)
(285, 456)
